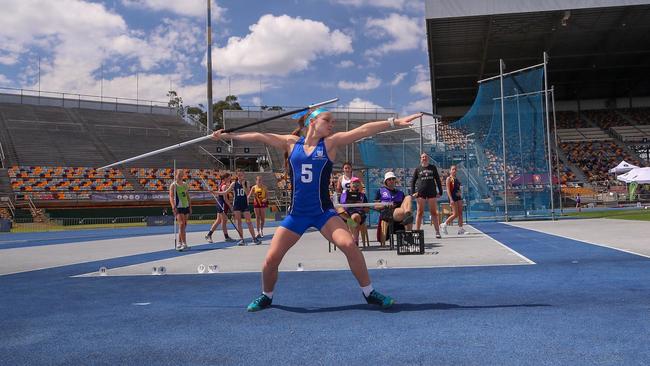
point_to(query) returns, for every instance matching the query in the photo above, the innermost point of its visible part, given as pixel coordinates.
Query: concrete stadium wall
(436, 9)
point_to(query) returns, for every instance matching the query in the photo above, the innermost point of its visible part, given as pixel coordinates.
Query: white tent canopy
(622, 167)
(639, 175)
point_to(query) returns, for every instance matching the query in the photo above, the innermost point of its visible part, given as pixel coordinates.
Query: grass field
(636, 214)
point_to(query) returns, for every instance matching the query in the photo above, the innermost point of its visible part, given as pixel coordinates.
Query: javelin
(207, 137)
(355, 205)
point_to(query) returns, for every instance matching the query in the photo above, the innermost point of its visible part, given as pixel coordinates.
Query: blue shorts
(300, 224)
(240, 206)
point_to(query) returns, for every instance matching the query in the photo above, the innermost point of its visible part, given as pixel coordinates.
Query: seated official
(399, 210)
(355, 216)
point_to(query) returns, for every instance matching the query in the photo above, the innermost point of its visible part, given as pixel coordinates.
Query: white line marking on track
(505, 246)
(581, 240)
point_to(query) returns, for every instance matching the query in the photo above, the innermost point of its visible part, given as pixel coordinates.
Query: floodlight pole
(421, 137)
(548, 134)
(503, 142)
(557, 155)
(209, 124)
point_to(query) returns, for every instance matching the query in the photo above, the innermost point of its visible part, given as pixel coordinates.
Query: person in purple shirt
(355, 216)
(400, 209)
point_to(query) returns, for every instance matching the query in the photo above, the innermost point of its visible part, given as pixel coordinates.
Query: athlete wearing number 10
(310, 160)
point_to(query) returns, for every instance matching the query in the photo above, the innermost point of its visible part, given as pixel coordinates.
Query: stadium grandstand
(598, 76)
(52, 147)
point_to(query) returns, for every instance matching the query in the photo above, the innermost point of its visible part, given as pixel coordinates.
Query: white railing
(77, 100)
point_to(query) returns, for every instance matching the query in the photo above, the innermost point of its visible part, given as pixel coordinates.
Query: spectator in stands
(399, 210)
(355, 216)
(310, 157)
(427, 187)
(578, 205)
(240, 207)
(260, 203)
(179, 198)
(343, 183)
(223, 209)
(455, 201)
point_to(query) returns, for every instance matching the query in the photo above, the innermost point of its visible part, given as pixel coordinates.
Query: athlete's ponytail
(296, 132)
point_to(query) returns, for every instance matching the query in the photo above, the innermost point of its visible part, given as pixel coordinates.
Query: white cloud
(422, 84)
(8, 59)
(405, 33)
(193, 8)
(345, 64)
(398, 78)
(392, 4)
(358, 103)
(196, 93)
(4, 80)
(279, 45)
(75, 48)
(257, 101)
(371, 82)
(418, 106)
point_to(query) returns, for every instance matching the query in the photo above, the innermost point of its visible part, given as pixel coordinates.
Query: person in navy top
(240, 207)
(310, 163)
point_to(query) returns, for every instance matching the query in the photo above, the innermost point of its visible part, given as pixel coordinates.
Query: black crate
(410, 242)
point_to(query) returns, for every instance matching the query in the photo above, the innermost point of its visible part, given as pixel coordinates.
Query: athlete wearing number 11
(310, 163)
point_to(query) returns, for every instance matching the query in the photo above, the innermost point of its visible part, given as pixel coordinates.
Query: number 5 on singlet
(306, 175)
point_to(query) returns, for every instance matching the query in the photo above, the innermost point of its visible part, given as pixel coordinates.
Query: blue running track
(579, 305)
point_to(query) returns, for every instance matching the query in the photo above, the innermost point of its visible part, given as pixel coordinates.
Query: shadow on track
(400, 307)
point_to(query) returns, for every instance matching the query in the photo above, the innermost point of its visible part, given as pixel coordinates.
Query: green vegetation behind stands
(637, 214)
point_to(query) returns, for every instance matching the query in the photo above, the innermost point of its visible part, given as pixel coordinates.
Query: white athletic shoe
(443, 227)
(461, 231)
(257, 241)
(241, 242)
(209, 238)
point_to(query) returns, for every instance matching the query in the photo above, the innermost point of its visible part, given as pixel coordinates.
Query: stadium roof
(594, 52)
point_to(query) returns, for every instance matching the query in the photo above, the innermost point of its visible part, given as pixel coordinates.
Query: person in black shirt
(428, 187)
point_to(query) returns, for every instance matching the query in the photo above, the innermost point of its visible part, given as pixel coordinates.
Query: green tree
(175, 101)
(229, 103)
(198, 114)
(271, 108)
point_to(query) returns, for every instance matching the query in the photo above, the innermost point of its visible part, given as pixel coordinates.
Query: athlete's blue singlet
(310, 177)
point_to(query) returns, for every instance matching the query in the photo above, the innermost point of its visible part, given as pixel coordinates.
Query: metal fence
(76, 100)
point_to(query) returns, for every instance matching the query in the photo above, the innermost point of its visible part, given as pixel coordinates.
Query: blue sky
(286, 52)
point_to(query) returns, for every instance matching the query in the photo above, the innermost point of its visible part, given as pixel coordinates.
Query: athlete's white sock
(367, 290)
(268, 294)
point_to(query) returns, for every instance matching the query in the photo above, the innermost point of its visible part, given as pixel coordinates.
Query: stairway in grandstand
(7, 145)
(5, 183)
(564, 160)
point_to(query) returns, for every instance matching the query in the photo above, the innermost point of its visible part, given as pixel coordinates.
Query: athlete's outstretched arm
(275, 140)
(369, 129)
(221, 193)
